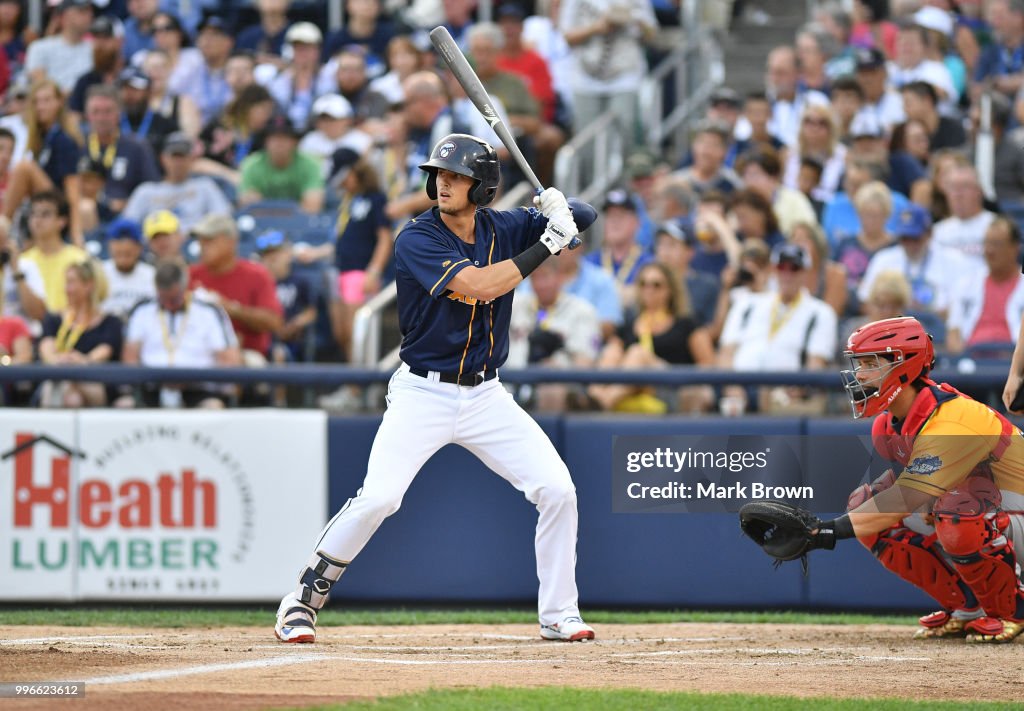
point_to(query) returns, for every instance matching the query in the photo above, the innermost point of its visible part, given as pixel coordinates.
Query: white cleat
(571, 629)
(296, 621)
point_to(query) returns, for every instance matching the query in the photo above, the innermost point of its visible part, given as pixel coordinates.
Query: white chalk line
(69, 640)
(160, 674)
(437, 662)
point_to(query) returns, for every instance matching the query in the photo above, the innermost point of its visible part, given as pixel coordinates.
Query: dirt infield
(236, 668)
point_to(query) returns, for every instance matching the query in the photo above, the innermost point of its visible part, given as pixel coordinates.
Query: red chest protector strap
(897, 444)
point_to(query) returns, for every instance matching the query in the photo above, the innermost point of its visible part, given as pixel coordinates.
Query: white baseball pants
(423, 415)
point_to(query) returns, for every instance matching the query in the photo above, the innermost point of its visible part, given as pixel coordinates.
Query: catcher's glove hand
(785, 532)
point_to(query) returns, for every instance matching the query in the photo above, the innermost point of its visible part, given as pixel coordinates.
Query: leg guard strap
(316, 581)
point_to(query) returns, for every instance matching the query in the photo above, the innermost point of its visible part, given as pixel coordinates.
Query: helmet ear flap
(432, 184)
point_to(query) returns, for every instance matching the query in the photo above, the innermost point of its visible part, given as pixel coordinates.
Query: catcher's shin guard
(969, 525)
(915, 558)
(318, 577)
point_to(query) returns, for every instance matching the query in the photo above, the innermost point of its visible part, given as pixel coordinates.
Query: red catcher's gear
(885, 357)
(969, 525)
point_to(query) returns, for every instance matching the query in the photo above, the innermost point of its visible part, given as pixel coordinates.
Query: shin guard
(915, 558)
(318, 577)
(969, 526)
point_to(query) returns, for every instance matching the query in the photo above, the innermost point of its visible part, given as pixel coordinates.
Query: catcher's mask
(469, 156)
(885, 356)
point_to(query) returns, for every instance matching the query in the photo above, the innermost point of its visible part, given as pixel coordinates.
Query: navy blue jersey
(444, 330)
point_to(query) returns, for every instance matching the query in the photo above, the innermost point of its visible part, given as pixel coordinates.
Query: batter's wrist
(531, 258)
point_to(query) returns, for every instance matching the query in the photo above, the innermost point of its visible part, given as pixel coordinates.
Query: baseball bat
(456, 61)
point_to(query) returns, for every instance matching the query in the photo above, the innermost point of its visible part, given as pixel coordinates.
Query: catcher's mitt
(784, 532)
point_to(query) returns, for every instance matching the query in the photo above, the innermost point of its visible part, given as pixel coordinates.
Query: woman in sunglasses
(818, 138)
(663, 332)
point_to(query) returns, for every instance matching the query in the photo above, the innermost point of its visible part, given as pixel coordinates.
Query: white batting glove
(559, 234)
(550, 201)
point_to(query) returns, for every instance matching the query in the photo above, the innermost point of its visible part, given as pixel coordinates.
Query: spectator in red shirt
(516, 58)
(245, 289)
(15, 341)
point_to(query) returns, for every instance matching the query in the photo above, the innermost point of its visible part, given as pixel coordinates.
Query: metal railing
(603, 140)
(693, 71)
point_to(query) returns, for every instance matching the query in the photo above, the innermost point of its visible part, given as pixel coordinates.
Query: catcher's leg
(971, 529)
(916, 558)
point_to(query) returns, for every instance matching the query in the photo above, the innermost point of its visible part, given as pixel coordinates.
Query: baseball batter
(961, 466)
(456, 267)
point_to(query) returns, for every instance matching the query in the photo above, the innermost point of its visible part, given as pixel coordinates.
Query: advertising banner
(158, 505)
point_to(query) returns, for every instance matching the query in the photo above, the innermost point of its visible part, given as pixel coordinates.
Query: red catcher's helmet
(885, 356)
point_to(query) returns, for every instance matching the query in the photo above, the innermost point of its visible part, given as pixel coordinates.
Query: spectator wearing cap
(178, 329)
(987, 307)
(364, 242)
(347, 75)
(265, 40)
(757, 114)
(903, 174)
(138, 27)
(333, 130)
(675, 246)
(620, 256)
(129, 162)
(552, 329)
(607, 38)
(55, 143)
(939, 23)
(930, 270)
(920, 101)
(817, 138)
(642, 173)
(294, 87)
(244, 289)
(516, 58)
(107, 34)
(188, 196)
(281, 172)
(725, 105)
(294, 292)
(911, 64)
(177, 108)
(784, 329)
(708, 171)
(208, 86)
(789, 101)
(164, 238)
(880, 98)
(964, 230)
(1008, 151)
(66, 56)
(138, 119)
(129, 279)
(93, 208)
(1002, 62)
(761, 171)
(662, 332)
(365, 27)
(13, 119)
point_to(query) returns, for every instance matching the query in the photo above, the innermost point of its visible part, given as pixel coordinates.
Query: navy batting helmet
(469, 156)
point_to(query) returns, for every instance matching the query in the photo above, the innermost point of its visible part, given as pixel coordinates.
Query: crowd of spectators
(135, 142)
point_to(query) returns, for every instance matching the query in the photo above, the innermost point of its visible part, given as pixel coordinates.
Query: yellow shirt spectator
(53, 267)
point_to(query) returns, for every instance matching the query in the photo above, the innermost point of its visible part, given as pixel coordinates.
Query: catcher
(961, 479)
